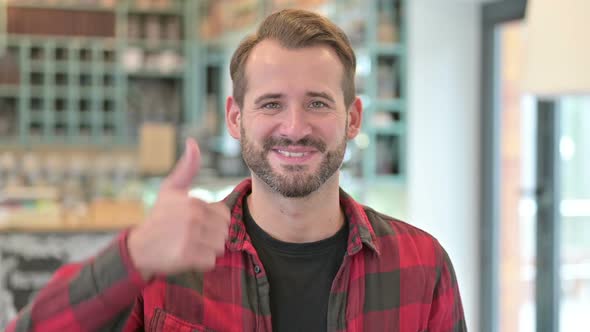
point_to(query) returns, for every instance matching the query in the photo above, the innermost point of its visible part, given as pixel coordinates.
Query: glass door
(541, 215)
(574, 149)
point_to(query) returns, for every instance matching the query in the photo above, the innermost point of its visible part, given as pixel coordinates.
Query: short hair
(295, 28)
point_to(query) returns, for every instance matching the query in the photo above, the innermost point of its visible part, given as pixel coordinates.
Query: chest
(300, 284)
(237, 296)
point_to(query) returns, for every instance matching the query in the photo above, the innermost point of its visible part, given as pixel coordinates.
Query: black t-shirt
(300, 276)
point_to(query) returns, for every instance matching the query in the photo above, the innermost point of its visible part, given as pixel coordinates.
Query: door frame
(492, 14)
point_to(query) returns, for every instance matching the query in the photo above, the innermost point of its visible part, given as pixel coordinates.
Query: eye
(272, 106)
(318, 104)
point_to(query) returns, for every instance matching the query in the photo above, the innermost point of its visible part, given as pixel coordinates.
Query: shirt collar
(360, 230)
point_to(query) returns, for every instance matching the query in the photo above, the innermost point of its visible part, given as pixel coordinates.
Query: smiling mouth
(293, 154)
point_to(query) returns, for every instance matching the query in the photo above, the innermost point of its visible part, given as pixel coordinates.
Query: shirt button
(256, 269)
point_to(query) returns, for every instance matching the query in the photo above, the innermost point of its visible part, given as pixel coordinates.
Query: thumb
(186, 168)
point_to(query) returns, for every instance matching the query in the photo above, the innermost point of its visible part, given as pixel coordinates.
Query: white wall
(443, 152)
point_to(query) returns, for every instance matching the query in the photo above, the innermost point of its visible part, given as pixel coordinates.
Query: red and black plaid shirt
(394, 277)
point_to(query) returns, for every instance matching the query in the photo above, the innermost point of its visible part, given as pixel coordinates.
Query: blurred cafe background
(476, 129)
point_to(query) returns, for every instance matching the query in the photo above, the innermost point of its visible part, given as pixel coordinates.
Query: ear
(355, 116)
(232, 117)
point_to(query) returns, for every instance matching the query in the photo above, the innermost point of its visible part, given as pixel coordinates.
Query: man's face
(293, 122)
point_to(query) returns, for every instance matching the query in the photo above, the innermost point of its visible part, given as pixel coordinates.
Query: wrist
(135, 253)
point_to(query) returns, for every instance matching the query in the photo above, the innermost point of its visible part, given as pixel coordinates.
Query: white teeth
(292, 154)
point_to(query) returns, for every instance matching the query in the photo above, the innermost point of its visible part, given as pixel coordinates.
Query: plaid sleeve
(446, 313)
(93, 296)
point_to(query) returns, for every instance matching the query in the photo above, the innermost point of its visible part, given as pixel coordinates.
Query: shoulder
(398, 239)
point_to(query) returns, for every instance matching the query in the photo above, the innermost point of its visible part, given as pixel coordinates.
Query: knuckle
(211, 260)
(184, 247)
(198, 213)
(220, 247)
(207, 261)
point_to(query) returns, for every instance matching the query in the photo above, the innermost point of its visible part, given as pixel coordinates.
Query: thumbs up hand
(181, 232)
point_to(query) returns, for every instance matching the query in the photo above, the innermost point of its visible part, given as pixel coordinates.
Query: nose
(295, 125)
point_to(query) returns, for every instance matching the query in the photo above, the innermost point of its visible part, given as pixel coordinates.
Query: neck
(297, 220)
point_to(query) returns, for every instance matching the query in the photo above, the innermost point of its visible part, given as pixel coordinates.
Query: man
(287, 250)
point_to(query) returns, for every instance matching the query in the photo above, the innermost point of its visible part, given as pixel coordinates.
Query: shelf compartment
(389, 78)
(9, 116)
(387, 120)
(388, 154)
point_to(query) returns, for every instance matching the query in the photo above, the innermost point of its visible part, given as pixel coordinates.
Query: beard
(296, 182)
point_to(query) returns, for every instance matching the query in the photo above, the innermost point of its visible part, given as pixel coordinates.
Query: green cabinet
(72, 83)
(377, 30)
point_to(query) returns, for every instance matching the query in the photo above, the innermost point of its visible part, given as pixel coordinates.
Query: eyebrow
(321, 95)
(268, 96)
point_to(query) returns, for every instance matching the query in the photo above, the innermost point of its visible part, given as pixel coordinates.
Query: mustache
(309, 141)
